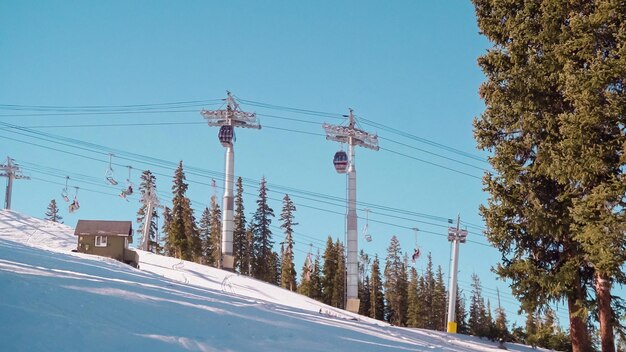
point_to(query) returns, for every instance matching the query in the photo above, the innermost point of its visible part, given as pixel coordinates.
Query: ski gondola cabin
(107, 239)
(340, 160)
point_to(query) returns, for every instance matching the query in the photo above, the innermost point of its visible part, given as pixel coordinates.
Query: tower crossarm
(342, 134)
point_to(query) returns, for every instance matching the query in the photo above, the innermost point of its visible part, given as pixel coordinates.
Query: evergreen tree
(413, 312)
(478, 312)
(167, 220)
(53, 212)
(338, 295)
(461, 313)
(377, 308)
(183, 235)
(428, 296)
(395, 284)
(440, 307)
(215, 229)
(148, 183)
(204, 228)
(502, 331)
(424, 310)
(263, 267)
(329, 271)
(364, 284)
(247, 259)
(275, 266)
(241, 245)
(288, 271)
(555, 122)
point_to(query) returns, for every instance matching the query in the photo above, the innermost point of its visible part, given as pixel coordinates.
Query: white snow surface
(52, 299)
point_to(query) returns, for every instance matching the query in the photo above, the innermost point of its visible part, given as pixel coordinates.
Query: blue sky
(406, 65)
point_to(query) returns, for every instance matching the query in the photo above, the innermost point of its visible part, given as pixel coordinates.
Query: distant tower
(11, 171)
(456, 236)
(228, 119)
(353, 137)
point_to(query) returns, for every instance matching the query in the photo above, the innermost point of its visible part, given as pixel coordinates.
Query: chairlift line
(64, 193)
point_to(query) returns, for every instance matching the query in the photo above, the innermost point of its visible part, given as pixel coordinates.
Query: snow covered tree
(377, 299)
(288, 271)
(395, 284)
(183, 235)
(242, 247)
(53, 212)
(215, 229)
(204, 228)
(264, 266)
(148, 182)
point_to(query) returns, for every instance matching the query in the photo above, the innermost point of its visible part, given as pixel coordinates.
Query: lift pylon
(227, 119)
(353, 137)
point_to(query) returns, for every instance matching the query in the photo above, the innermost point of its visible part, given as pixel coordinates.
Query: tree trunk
(578, 325)
(605, 314)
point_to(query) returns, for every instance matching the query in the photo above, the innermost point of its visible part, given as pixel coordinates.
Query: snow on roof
(104, 227)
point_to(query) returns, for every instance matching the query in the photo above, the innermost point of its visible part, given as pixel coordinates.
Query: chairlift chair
(75, 205)
(64, 191)
(366, 233)
(108, 174)
(416, 252)
(129, 189)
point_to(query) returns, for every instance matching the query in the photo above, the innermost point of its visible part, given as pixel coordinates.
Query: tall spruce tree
(52, 213)
(215, 229)
(263, 267)
(241, 245)
(204, 228)
(183, 235)
(395, 284)
(288, 270)
(329, 271)
(590, 157)
(148, 182)
(440, 307)
(168, 247)
(377, 298)
(555, 121)
(364, 283)
(478, 312)
(338, 295)
(413, 300)
(428, 296)
(461, 313)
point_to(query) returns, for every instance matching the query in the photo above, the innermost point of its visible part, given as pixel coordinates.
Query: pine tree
(53, 212)
(428, 296)
(329, 271)
(478, 312)
(554, 121)
(364, 284)
(263, 267)
(247, 259)
(440, 307)
(148, 183)
(241, 245)
(168, 247)
(338, 295)
(395, 286)
(183, 235)
(288, 271)
(377, 308)
(502, 331)
(413, 301)
(215, 229)
(204, 228)
(461, 313)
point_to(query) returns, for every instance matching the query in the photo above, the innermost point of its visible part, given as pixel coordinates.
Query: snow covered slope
(56, 300)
